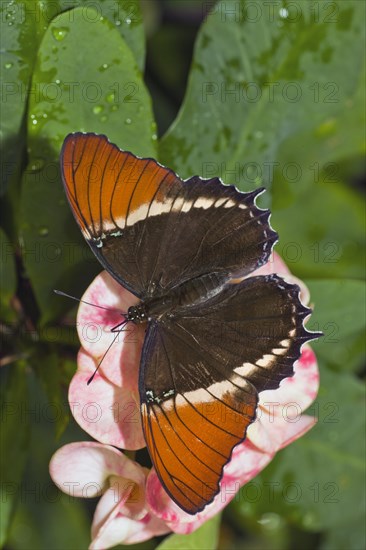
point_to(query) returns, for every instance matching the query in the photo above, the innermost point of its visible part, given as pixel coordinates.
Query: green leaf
(125, 16)
(259, 78)
(46, 519)
(48, 369)
(14, 441)
(66, 521)
(83, 85)
(352, 536)
(205, 538)
(340, 313)
(22, 24)
(339, 140)
(317, 482)
(321, 231)
(8, 278)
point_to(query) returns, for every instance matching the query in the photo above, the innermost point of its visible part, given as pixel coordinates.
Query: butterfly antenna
(105, 353)
(60, 293)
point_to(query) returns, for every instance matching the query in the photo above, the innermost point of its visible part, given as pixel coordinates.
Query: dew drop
(59, 33)
(128, 121)
(154, 137)
(114, 108)
(8, 65)
(270, 521)
(283, 13)
(110, 97)
(43, 231)
(117, 23)
(128, 20)
(97, 109)
(103, 67)
(258, 134)
(103, 118)
(37, 164)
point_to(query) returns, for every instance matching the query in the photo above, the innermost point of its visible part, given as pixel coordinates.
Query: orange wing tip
(109, 189)
(189, 446)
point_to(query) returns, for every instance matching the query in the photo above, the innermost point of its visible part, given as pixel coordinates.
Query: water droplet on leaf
(59, 33)
(43, 231)
(37, 164)
(110, 97)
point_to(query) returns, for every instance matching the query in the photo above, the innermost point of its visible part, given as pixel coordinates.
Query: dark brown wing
(150, 229)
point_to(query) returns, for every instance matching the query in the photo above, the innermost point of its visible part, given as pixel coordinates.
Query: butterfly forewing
(135, 214)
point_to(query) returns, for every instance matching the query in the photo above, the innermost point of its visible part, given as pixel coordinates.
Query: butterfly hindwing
(128, 207)
(192, 417)
(254, 328)
(201, 371)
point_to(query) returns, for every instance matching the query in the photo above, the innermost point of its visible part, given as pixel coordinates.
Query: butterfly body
(170, 303)
(215, 336)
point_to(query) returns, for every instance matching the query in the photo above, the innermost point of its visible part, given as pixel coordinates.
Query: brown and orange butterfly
(214, 339)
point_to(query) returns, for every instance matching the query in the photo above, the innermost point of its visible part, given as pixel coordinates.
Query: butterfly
(214, 338)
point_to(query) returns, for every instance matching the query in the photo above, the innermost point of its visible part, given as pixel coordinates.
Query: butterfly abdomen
(199, 289)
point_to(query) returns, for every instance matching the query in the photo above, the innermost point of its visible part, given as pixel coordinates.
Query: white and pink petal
(83, 469)
(107, 412)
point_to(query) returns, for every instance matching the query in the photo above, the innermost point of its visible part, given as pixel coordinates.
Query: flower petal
(295, 430)
(93, 323)
(108, 413)
(124, 497)
(122, 530)
(94, 328)
(300, 390)
(279, 414)
(82, 469)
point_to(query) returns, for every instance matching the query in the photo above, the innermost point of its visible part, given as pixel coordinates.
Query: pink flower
(108, 409)
(93, 469)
